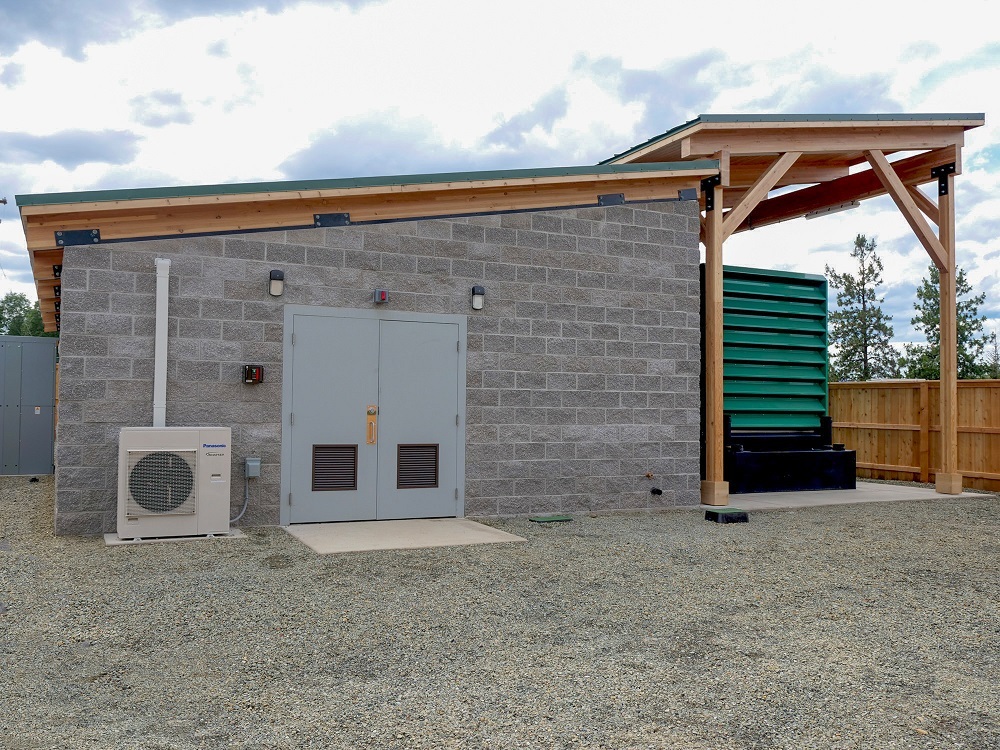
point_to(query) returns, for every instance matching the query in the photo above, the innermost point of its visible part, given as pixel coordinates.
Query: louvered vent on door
(335, 467)
(416, 467)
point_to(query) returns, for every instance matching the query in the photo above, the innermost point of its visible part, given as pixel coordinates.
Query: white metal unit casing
(173, 481)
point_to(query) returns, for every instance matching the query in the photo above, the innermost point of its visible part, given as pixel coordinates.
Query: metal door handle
(372, 411)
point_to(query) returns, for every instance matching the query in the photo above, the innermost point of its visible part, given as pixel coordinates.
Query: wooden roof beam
(515, 185)
(757, 193)
(723, 157)
(166, 221)
(798, 174)
(914, 170)
(752, 141)
(908, 207)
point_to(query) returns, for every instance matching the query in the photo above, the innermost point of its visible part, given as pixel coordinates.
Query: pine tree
(993, 359)
(859, 330)
(924, 360)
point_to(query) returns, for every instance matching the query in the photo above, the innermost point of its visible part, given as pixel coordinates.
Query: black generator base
(790, 470)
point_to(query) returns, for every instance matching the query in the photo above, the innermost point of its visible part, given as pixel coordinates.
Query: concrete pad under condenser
(113, 540)
(365, 536)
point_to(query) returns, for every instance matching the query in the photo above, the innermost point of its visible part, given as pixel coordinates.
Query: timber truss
(780, 167)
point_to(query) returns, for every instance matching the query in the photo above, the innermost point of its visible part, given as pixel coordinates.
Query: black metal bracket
(332, 220)
(57, 304)
(78, 237)
(57, 270)
(611, 199)
(58, 290)
(708, 186)
(942, 173)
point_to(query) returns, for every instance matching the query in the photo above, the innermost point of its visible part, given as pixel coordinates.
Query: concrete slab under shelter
(365, 536)
(866, 492)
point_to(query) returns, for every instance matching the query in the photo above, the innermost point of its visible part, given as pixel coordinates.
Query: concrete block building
(491, 343)
(577, 377)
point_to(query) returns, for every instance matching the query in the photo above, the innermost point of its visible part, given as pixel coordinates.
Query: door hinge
(456, 420)
(293, 338)
(456, 493)
(289, 498)
(291, 418)
(458, 346)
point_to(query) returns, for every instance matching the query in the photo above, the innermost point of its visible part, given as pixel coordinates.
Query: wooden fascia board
(720, 130)
(373, 191)
(126, 222)
(914, 170)
(756, 193)
(707, 142)
(908, 207)
(856, 124)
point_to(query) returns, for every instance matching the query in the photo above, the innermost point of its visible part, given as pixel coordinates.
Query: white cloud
(243, 90)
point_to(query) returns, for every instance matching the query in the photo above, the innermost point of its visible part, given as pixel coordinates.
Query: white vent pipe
(160, 343)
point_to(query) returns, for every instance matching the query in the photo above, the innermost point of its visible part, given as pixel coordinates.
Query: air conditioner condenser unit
(173, 481)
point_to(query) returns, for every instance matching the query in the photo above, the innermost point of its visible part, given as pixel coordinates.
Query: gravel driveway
(866, 626)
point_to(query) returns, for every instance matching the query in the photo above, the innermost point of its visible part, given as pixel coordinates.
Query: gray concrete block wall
(582, 368)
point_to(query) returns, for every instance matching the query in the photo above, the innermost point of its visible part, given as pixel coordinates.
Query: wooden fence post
(924, 439)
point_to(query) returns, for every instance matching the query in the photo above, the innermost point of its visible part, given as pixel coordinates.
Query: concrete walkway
(866, 492)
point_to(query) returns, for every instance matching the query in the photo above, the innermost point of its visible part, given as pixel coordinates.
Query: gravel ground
(867, 626)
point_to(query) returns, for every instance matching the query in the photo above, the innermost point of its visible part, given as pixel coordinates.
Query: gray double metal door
(374, 419)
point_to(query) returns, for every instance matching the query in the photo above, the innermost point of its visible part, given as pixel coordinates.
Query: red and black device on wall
(253, 373)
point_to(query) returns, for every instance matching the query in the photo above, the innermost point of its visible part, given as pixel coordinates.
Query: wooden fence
(895, 427)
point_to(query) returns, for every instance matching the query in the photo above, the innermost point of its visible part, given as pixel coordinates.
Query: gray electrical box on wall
(27, 412)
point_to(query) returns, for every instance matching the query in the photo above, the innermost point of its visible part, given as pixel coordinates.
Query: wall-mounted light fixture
(276, 285)
(478, 294)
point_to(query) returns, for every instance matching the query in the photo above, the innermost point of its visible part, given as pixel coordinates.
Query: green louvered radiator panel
(774, 337)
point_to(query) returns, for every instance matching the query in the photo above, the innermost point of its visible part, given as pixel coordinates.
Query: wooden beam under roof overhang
(757, 193)
(515, 184)
(744, 171)
(914, 170)
(810, 140)
(120, 220)
(670, 147)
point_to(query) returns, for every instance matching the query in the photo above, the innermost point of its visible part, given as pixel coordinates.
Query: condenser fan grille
(161, 482)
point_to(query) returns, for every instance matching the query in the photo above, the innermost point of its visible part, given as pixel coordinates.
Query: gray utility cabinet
(27, 417)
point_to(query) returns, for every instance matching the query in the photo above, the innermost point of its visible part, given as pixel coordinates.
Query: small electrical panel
(252, 468)
(381, 296)
(253, 373)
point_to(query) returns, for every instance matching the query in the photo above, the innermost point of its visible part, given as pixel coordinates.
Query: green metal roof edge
(186, 191)
(799, 118)
(768, 272)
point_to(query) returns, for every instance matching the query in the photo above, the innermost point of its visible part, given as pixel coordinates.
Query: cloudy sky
(99, 94)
